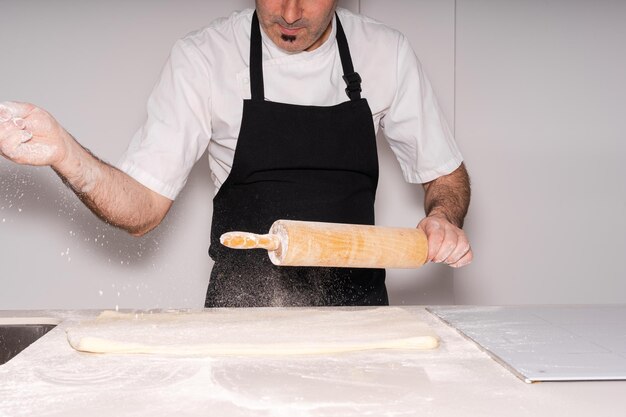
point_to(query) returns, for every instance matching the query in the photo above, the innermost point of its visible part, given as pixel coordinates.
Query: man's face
(296, 25)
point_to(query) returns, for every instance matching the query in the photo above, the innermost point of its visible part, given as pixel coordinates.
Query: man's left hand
(446, 242)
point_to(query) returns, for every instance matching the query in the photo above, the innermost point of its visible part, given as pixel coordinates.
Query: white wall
(92, 65)
(540, 110)
(533, 89)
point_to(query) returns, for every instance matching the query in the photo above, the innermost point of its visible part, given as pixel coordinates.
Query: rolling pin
(299, 243)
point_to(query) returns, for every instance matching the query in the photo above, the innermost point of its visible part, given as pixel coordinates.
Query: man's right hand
(29, 135)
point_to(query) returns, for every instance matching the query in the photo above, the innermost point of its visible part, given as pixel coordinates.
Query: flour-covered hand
(31, 136)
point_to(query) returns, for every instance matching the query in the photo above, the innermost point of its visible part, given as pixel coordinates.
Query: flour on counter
(50, 379)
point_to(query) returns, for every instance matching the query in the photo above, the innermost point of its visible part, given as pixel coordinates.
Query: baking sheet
(548, 343)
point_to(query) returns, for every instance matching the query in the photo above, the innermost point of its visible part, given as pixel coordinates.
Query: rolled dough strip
(253, 331)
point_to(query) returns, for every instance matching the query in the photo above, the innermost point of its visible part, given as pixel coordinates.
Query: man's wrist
(68, 160)
(78, 167)
(440, 214)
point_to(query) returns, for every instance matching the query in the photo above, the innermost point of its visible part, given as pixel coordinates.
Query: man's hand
(446, 201)
(31, 136)
(446, 242)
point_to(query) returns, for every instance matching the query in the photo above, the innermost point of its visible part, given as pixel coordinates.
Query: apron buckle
(353, 82)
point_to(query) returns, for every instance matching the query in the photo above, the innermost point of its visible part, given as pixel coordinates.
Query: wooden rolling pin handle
(245, 240)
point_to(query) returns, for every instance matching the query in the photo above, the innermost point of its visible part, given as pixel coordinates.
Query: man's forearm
(449, 196)
(109, 193)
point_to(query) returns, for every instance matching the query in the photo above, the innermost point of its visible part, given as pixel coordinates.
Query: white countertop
(49, 378)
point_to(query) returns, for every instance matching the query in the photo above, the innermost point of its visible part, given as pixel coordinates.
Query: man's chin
(289, 43)
(290, 46)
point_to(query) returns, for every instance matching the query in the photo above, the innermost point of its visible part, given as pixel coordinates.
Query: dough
(253, 331)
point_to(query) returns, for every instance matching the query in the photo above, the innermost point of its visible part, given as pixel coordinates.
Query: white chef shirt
(198, 100)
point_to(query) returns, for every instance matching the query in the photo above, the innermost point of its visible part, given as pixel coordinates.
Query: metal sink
(16, 334)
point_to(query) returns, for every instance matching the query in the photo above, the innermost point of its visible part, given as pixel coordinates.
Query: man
(302, 146)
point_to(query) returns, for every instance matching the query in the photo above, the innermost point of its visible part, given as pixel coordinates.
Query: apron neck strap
(352, 79)
(256, 61)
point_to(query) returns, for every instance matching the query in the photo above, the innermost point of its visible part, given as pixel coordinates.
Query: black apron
(297, 163)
